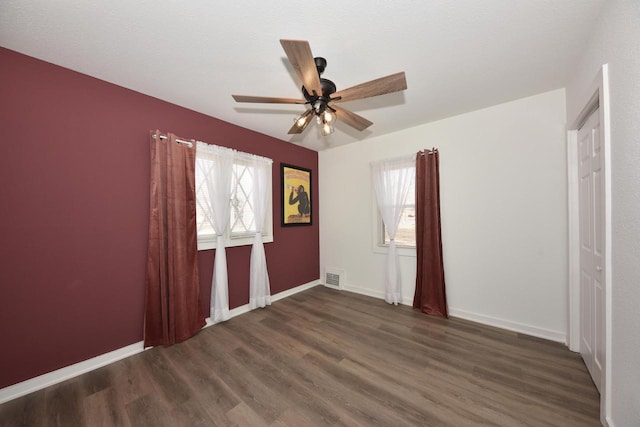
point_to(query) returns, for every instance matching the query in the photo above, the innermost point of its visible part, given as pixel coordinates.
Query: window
(242, 226)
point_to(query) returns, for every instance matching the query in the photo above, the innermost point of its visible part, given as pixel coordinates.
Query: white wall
(504, 215)
(616, 41)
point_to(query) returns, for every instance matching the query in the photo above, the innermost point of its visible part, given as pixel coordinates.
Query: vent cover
(334, 278)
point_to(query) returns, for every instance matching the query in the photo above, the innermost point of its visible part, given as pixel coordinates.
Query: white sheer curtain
(259, 290)
(391, 182)
(215, 166)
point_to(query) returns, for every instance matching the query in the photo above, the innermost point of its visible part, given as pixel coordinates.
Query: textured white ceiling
(458, 55)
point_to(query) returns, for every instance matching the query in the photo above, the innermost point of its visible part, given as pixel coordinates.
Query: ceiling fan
(321, 94)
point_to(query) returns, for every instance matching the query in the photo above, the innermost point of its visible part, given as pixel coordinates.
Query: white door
(592, 298)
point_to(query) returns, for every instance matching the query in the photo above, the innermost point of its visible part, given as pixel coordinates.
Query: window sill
(208, 243)
(402, 250)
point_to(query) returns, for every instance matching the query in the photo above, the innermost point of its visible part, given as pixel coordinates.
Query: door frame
(597, 97)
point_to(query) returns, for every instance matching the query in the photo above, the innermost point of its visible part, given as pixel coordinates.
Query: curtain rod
(179, 141)
(240, 153)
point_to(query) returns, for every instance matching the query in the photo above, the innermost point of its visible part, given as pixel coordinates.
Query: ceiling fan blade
(297, 128)
(351, 118)
(300, 56)
(392, 83)
(267, 99)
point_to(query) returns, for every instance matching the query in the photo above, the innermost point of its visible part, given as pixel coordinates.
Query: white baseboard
(63, 374)
(375, 294)
(478, 318)
(364, 291)
(280, 295)
(510, 325)
(295, 290)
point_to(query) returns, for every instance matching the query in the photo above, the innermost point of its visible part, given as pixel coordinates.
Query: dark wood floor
(324, 357)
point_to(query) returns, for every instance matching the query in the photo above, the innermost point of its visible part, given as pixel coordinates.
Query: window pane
(204, 220)
(406, 233)
(242, 219)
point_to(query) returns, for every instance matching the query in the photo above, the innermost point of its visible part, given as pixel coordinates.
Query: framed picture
(296, 195)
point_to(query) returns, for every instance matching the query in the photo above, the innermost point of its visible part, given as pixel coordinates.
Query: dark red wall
(74, 205)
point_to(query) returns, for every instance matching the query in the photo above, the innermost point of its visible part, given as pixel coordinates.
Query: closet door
(592, 297)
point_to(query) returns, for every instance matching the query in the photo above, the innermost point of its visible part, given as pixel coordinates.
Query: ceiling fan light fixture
(329, 116)
(302, 119)
(326, 128)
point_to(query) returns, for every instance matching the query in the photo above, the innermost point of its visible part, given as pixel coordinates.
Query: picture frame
(296, 188)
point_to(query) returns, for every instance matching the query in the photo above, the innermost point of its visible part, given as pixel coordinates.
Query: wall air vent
(334, 278)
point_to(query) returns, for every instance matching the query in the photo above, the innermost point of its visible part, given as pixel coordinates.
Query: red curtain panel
(430, 296)
(172, 307)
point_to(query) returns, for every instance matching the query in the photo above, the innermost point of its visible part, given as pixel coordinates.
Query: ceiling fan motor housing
(319, 101)
(328, 89)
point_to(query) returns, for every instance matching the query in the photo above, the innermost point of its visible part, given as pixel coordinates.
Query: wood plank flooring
(324, 357)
